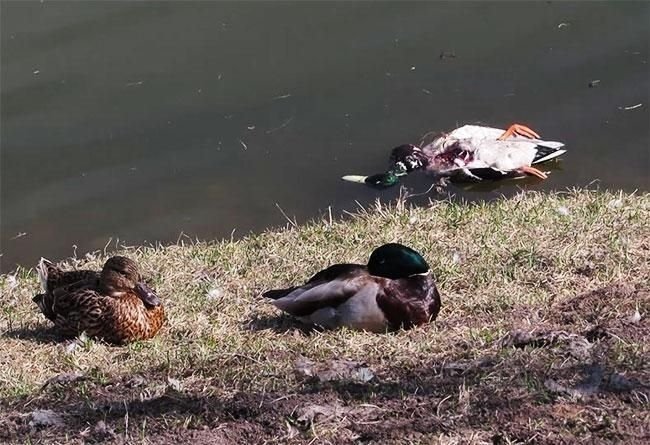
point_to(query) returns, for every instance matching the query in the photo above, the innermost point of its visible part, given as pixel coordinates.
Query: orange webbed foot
(520, 130)
(533, 172)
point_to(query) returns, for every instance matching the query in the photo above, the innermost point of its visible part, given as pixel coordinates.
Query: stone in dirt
(45, 418)
(331, 370)
(311, 413)
(577, 345)
(61, 379)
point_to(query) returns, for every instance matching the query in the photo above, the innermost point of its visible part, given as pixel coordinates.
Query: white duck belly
(490, 152)
(504, 155)
(476, 132)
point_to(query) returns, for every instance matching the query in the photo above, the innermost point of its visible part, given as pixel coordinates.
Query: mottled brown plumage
(114, 305)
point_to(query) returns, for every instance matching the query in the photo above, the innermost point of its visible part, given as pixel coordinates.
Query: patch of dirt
(225, 434)
(415, 406)
(569, 379)
(333, 370)
(616, 308)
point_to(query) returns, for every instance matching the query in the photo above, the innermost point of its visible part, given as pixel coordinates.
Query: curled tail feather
(276, 294)
(43, 269)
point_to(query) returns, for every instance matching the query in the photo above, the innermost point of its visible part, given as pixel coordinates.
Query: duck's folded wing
(476, 132)
(338, 271)
(305, 300)
(86, 302)
(334, 272)
(72, 311)
(52, 277)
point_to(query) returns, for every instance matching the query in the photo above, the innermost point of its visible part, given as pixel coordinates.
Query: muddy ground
(579, 376)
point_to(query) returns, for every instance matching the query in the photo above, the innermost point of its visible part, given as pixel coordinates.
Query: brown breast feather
(409, 301)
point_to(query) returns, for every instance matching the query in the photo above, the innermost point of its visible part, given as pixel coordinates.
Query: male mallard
(114, 304)
(396, 289)
(471, 152)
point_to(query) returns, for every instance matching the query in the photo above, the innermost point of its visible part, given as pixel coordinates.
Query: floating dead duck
(472, 153)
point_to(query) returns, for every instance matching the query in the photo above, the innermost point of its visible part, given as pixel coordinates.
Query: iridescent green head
(395, 261)
(382, 180)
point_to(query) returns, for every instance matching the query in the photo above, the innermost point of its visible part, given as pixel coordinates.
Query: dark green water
(139, 121)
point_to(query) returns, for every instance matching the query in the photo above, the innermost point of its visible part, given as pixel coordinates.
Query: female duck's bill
(147, 295)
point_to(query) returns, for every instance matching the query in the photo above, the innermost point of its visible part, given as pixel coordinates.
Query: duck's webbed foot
(518, 129)
(532, 171)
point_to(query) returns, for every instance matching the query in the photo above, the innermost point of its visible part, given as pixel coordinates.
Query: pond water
(141, 121)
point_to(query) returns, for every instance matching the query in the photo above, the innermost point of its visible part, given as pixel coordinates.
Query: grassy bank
(543, 337)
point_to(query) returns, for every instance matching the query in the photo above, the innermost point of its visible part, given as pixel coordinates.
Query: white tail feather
(42, 272)
(549, 144)
(550, 156)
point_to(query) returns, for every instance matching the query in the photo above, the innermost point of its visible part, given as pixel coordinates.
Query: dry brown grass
(561, 277)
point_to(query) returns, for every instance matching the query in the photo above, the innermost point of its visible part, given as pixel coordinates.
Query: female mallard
(396, 289)
(471, 152)
(114, 304)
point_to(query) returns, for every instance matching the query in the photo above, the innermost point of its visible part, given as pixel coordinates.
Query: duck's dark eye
(121, 272)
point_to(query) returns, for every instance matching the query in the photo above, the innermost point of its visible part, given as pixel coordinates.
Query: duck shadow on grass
(355, 406)
(439, 398)
(280, 324)
(41, 334)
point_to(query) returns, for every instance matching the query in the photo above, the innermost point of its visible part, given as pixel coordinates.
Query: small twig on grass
(247, 357)
(409, 195)
(126, 420)
(440, 405)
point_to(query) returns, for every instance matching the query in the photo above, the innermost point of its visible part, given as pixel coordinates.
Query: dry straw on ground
(543, 338)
